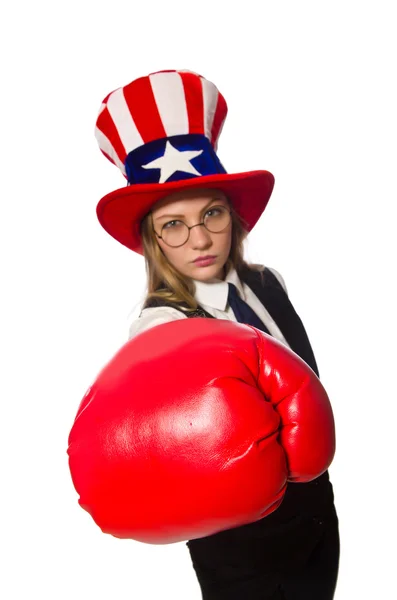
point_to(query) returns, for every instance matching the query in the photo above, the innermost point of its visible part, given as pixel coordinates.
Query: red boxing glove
(195, 426)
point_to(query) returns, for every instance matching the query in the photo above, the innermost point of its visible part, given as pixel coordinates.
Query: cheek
(228, 242)
(173, 256)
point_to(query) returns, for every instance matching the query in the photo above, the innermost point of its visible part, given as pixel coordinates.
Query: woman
(189, 218)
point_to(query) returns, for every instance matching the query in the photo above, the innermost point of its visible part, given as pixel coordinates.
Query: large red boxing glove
(194, 427)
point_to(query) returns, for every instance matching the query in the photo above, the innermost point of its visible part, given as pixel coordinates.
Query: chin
(207, 273)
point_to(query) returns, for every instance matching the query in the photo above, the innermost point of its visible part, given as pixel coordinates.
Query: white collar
(214, 293)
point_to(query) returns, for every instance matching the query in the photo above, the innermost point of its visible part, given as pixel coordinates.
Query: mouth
(201, 264)
(204, 259)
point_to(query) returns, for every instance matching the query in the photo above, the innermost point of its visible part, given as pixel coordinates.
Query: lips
(203, 258)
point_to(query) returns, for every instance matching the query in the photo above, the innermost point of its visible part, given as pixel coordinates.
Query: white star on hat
(174, 160)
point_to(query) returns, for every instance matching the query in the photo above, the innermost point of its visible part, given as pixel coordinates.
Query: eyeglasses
(176, 233)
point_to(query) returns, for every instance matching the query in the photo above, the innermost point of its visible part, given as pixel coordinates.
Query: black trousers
(298, 560)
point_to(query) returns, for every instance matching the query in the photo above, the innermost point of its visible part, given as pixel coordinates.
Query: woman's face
(191, 206)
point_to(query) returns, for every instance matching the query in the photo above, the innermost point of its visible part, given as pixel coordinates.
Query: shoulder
(150, 317)
(279, 278)
(255, 275)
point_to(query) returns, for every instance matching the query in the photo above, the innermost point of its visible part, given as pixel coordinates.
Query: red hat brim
(121, 211)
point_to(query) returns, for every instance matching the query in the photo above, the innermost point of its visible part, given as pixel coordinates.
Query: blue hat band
(172, 158)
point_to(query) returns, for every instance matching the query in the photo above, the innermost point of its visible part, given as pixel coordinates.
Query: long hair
(167, 283)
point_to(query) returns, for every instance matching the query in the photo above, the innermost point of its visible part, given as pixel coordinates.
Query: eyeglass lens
(176, 233)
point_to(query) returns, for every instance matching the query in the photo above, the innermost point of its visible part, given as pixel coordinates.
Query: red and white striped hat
(162, 132)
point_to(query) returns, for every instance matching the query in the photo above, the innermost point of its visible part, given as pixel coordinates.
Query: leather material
(195, 427)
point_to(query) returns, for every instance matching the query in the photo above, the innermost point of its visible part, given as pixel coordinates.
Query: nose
(200, 237)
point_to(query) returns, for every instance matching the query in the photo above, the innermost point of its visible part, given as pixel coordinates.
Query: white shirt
(212, 296)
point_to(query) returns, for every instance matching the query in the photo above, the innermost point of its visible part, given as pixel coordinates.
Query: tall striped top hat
(162, 132)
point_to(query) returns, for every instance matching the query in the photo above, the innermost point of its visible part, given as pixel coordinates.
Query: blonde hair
(167, 283)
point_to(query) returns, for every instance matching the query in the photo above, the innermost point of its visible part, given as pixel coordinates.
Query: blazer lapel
(276, 301)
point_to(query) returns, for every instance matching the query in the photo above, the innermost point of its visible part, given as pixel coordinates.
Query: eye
(169, 223)
(214, 210)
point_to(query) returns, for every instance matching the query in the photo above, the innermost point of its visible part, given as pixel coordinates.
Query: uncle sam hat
(162, 132)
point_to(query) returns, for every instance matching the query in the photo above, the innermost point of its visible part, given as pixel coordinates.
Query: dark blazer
(287, 535)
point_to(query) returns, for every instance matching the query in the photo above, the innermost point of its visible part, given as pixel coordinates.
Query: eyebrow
(206, 206)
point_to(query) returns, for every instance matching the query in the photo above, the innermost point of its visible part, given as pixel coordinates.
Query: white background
(311, 92)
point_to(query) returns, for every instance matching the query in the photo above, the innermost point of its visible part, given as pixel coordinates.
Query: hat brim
(121, 211)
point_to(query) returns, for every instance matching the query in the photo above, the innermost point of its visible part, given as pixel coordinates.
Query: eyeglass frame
(191, 227)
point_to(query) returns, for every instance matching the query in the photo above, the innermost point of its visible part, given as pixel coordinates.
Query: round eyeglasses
(176, 233)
